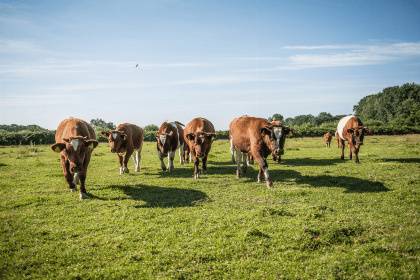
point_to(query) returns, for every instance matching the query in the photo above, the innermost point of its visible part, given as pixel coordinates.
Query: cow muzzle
(76, 169)
(200, 155)
(277, 152)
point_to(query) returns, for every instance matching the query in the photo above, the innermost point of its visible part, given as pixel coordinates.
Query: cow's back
(246, 130)
(134, 133)
(199, 125)
(74, 127)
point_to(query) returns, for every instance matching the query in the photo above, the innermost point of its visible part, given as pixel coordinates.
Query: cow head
(201, 142)
(164, 141)
(116, 139)
(277, 134)
(357, 135)
(75, 150)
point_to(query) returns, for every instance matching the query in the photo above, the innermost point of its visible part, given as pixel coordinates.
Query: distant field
(324, 218)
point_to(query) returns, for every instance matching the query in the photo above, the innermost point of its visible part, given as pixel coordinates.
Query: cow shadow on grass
(308, 162)
(402, 160)
(158, 197)
(351, 184)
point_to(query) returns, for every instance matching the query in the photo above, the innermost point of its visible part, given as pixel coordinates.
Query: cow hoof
(72, 190)
(269, 184)
(196, 176)
(82, 196)
(137, 169)
(238, 174)
(126, 170)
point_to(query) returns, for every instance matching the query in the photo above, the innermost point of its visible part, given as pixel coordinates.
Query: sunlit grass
(324, 218)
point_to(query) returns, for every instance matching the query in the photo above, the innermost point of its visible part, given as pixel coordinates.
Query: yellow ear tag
(91, 145)
(57, 149)
(263, 133)
(189, 137)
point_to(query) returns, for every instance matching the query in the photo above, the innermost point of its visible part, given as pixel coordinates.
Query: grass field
(324, 218)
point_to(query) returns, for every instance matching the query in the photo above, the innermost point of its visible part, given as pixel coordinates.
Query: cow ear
(58, 147)
(190, 136)
(124, 136)
(351, 130)
(105, 133)
(367, 130)
(92, 144)
(266, 130)
(211, 136)
(157, 135)
(66, 140)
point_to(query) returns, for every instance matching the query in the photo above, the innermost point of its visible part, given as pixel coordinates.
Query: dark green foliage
(394, 105)
(100, 124)
(151, 127)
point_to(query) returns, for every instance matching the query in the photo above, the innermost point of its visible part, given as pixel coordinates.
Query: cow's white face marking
(114, 135)
(163, 139)
(74, 143)
(278, 131)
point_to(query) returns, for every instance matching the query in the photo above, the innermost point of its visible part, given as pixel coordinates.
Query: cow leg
(204, 172)
(342, 148)
(171, 157)
(67, 174)
(82, 190)
(273, 156)
(181, 155)
(120, 160)
(350, 154)
(196, 169)
(162, 164)
(244, 162)
(137, 157)
(238, 163)
(264, 169)
(126, 159)
(232, 150)
(356, 155)
(279, 159)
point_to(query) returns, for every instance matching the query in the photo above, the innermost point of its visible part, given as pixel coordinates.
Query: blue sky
(214, 59)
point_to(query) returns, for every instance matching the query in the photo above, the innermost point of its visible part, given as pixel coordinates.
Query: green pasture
(324, 218)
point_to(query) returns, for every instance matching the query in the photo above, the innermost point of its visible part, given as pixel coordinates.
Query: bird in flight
(137, 65)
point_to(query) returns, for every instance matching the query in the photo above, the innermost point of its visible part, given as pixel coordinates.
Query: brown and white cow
(281, 133)
(199, 134)
(75, 140)
(126, 141)
(258, 137)
(327, 139)
(350, 128)
(169, 138)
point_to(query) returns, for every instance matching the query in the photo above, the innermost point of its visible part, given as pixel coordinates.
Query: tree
(276, 117)
(151, 127)
(100, 124)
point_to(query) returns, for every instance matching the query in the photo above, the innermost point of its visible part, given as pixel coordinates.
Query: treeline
(393, 111)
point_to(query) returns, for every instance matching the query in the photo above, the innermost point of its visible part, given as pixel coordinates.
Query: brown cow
(126, 140)
(75, 140)
(258, 137)
(199, 134)
(350, 128)
(169, 138)
(327, 139)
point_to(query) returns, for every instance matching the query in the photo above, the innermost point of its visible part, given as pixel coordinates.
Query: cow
(282, 131)
(169, 138)
(75, 140)
(258, 137)
(327, 139)
(350, 128)
(126, 141)
(199, 134)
